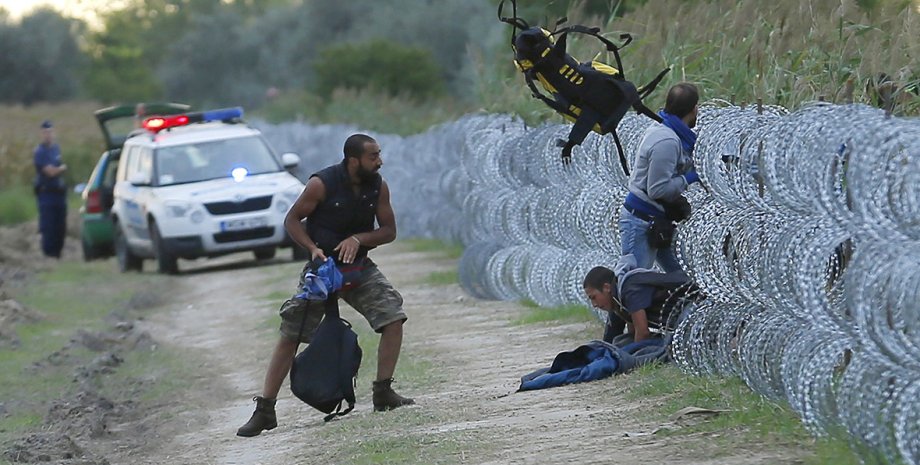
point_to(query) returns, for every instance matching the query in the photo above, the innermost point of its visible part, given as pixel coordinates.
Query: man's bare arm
(640, 325)
(386, 221)
(312, 195)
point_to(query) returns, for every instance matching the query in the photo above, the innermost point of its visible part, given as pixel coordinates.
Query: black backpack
(593, 95)
(323, 375)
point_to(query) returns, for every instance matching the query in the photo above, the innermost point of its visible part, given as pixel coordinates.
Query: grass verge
(442, 278)
(759, 419)
(572, 313)
(72, 296)
(446, 249)
(17, 205)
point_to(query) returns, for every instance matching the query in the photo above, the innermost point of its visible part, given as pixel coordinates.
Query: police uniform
(51, 193)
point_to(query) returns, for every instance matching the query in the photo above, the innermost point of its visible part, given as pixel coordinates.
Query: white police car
(200, 184)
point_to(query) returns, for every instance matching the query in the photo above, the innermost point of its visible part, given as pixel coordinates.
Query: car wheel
(267, 253)
(299, 254)
(167, 263)
(88, 252)
(127, 261)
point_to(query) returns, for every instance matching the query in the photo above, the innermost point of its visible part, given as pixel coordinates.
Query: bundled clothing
(595, 360)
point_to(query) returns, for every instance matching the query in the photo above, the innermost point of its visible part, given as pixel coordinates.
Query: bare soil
(462, 359)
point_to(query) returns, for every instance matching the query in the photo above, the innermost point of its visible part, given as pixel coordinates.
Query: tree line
(218, 52)
(228, 52)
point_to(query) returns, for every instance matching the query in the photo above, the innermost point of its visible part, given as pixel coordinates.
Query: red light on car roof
(159, 123)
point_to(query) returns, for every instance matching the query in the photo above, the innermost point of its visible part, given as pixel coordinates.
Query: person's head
(140, 112)
(683, 102)
(362, 156)
(47, 132)
(598, 285)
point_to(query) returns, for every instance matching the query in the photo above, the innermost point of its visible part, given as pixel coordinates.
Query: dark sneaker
(263, 419)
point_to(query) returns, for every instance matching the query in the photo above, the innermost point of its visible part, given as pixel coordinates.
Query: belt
(642, 216)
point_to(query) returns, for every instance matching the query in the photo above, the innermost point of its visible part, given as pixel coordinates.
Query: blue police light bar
(159, 123)
(222, 114)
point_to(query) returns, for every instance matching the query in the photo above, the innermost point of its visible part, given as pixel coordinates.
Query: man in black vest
(341, 204)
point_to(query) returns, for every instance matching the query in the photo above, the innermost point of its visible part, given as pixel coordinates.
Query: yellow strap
(546, 85)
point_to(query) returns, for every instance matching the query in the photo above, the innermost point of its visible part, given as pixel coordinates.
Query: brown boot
(263, 418)
(385, 398)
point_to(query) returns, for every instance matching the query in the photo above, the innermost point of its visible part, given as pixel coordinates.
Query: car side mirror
(138, 179)
(290, 160)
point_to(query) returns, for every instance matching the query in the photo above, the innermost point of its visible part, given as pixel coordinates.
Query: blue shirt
(48, 186)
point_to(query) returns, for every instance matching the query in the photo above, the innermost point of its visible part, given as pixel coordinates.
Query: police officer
(51, 192)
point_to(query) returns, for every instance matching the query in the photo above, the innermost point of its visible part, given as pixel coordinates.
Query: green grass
(444, 448)
(445, 249)
(413, 369)
(406, 436)
(442, 278)
(760, 419)
(366, 109)
(277, 296)
(572, 313)
(17, 205)
(74, 295)
(786, 52)
(150, 376)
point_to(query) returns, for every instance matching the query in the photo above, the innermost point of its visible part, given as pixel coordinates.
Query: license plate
(243, 223)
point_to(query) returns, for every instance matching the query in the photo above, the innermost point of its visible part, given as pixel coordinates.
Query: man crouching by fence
(637, 299)
(341, 204)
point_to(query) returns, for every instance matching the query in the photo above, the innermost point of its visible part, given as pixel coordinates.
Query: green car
(116, 123)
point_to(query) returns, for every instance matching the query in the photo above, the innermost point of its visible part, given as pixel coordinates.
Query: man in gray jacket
(663, 171)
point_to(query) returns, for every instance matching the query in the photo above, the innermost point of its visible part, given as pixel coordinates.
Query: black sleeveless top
(342, 213)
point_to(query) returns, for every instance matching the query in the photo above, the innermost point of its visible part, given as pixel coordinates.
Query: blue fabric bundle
(594, 360)
(319, 283)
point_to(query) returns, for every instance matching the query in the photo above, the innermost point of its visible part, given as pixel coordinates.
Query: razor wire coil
(806, 242)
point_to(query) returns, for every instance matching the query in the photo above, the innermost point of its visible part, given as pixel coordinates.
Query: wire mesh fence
(806, 242)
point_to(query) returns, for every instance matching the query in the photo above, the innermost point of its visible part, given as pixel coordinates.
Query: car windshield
(180, 164)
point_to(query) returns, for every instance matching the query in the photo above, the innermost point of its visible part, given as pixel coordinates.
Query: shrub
(378, 65)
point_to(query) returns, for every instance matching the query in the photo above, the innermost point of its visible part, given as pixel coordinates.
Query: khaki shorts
(375, 298)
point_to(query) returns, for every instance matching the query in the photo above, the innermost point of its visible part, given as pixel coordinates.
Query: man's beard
(365, 175)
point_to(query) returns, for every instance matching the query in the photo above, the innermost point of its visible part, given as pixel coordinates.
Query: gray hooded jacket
(660, 164)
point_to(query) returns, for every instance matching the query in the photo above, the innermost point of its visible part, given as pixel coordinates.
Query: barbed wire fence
(806, 242)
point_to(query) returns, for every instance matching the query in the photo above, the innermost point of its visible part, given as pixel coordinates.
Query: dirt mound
(11, 314)
(85, 415)
(75, 423)
(121, 336)
(20, 248)
(50, 447)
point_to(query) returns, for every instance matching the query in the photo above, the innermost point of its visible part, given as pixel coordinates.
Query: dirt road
(460, 357)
